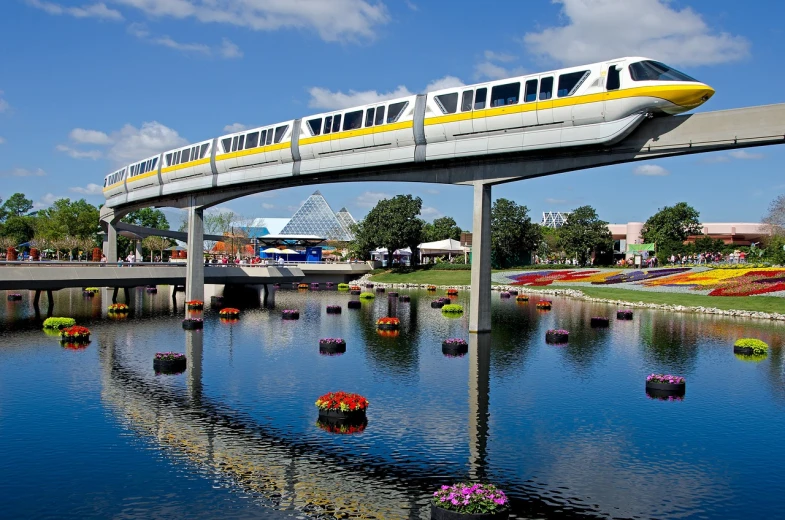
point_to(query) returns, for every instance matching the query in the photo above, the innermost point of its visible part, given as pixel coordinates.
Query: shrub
(343, 286)
(452, 308)
(367, 296)
(758, 347)
(59, 323)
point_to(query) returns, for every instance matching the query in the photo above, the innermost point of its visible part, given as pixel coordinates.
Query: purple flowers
(193, 320)
(331, 340)
(454, 341)
(169, 356)
(471, 499)
(665, 378)
(290, 311)
(558, 331)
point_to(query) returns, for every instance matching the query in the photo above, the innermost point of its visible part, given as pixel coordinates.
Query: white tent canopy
(380, 254)
(447, 247)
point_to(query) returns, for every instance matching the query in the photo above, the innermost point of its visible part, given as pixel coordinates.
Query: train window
(263, 137)
(336, 123)
(655, 71)
(281, 130)
(466, 102)
(479, 99)
(328, 122)
(186, 155)
(316, 126)
(241, 143)
(155, 162)
(530, 92)
(353, 120)
(379, 116)
(396, 109)
(269, 137)
(175, 158)
(368, 117)
(569, 83)
(546, 89)
(227, 144)
(203, 151)
(614, 78)
(252, 140)
(448, 103)
(505, 94)
(168, 159)
(234, 143)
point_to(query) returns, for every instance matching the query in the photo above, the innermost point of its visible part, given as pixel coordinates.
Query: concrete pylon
(194, 272)
(479, 400)
(138, 251)
(110, 242)
(480, 298)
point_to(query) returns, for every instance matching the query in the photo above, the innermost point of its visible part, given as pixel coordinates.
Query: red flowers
(342, 401)
(75, 333)
(388, 321)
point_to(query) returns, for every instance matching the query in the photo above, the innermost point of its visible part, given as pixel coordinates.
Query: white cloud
(601, 29)
(97, 10)
(714, 159)
(411, 5)
(2, 140)
(3, 103)
(235, 127)
(45, 201)
(432, 191)
(651, 170)
(90, 189)
(336, 20)
(80, 135)
(265, 205)
(369, 199)
(133, 144)
(328, 100)
(79, 154)
(745, 155)
(445, 82)
(430, 212)
(227, 49)
(489, 70)
(555, 201)
(498, 56)
(23, 172)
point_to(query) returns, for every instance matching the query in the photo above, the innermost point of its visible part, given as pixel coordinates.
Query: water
(566, 431)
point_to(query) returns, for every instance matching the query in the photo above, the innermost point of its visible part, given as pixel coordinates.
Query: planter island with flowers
(557, 336)
(454, 347)
(290, 314)
(342, 406)
(751, 347)
(388, 323)
(118, 308)
(343, 286)
(599, 322)
(75, 334)
(229, 313)
(452, 309)
(431, 288)
(405, 298)
(194, 305)
(521, 298)
(332, 346)
(544, 305)
(665, 384)
(504, 295)
(367, 296)
(624, 314)
(193, 324)
(333, 309)
(470, 502)
(452, 292)
(354, 304)
(169, 363)
(58, 323)
(440, 302)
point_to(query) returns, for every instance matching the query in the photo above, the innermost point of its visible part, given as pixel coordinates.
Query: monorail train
(592, 104)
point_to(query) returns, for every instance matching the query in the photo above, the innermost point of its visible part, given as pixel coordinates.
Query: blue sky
(87, 85)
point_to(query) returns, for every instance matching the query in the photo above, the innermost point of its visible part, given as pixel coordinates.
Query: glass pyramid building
(315, 217)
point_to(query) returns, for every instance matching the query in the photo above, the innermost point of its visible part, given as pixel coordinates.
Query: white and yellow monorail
(585, 105)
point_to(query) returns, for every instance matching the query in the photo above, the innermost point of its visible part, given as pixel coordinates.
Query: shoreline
(579, 295)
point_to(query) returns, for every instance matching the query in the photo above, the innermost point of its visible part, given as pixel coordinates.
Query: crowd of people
(734, 257)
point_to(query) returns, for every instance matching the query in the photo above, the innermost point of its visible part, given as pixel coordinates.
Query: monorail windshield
(656, 71)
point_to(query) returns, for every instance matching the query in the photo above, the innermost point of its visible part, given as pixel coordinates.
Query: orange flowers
(342, 401)
(388, 321)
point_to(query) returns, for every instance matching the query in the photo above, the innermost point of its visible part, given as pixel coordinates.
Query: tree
(549, 247)
(147, 217)
(441, 229)
(16, 206)
(513, 236)
(153, 243)
(218, 224)
(392, 223)
(670, 227)
(19, 228)
(775, 217)
(584, 235)
(63, 217)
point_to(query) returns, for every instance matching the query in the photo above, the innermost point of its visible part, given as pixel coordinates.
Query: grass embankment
(740, 303)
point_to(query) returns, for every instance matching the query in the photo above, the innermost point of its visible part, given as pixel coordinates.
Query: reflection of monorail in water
(285, 474)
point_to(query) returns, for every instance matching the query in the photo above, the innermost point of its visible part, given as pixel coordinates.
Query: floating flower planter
(665, 384)
(431, 288)
(355, 288)
(452, 292)
(169, 363)
(332, 346)
(333, 309)
(452, 309)
(194, 305)
(367, 296)
(404, 298)
(302, 286)
(380, 289)
(521, 298)
(193, 324)
(504, 295)
(544, 305)
(454, 347)
(388, 323)
(75, 334)
(470, 502)
(557, 336)
(392, 294)
(369, 286)
(513, 292)
(439, 303)
(118, 308)
(354, 293)
(290, 314)
(624, 314)
(354, 304)
(329, 285)
(751, 347)
(15, 297)
(58, 323)
(598, 322)
(229, 313)
(342, 406)
(343, 286)
(342, 427)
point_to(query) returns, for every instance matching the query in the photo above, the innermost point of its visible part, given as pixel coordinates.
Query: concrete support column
(480, 298)
(138, 252)
(110, 242)
(479, 402)
(194, 272)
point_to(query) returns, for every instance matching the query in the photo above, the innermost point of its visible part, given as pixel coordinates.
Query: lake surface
(567, 431)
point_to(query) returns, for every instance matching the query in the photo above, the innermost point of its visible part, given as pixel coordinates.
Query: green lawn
(742, 303)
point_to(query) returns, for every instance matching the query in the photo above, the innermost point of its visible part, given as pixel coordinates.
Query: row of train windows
(189, 154)
(509, 94)
(144, 167)
(354, 120)
(113, 178)
(254, 139)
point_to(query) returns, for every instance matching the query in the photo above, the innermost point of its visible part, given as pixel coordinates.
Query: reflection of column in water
(193, 352)
(479, 398)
